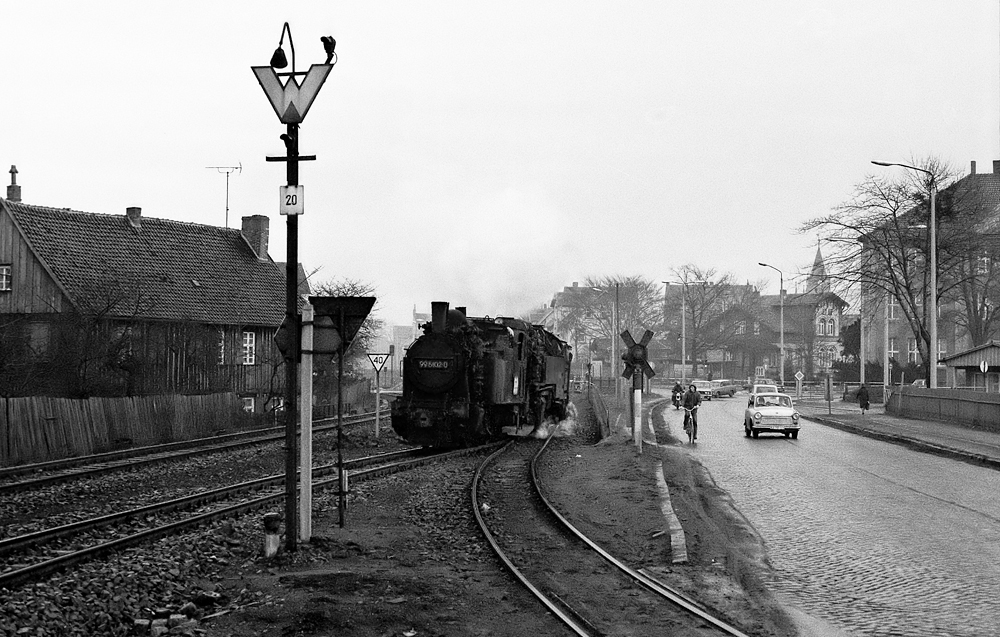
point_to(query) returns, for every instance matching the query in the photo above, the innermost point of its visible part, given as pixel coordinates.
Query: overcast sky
(488, 154)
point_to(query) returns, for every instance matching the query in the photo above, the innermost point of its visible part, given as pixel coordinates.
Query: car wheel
(746, 432)
(795, 435)
(731, 394)
(756, 434)
(786, 433)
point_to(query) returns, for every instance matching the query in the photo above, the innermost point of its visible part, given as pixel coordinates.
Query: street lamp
(932, 301)
(781, 325)
(685, 283)
(291, 101)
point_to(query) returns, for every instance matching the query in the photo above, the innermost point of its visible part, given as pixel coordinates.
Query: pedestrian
(863, 399)
(692, 399)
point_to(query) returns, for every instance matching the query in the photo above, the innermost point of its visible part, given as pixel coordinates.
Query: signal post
(636, 367)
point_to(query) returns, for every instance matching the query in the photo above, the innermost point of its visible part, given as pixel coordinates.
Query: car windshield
(774, 401)
(765, 388)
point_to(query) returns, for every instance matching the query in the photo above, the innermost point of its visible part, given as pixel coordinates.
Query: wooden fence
(974, 409)
(37, 428)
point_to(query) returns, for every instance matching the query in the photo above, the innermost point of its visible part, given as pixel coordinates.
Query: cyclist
(692, 399)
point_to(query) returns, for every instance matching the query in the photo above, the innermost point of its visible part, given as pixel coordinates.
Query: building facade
(99, 304)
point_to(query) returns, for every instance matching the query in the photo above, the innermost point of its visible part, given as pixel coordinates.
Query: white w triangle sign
(292, 101)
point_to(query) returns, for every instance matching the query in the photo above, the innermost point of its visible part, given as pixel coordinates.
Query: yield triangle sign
(378, 361)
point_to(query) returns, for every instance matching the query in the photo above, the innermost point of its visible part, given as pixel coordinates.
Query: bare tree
(704, 295)
(879, 241)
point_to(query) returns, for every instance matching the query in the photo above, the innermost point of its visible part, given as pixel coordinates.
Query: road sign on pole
(378, 361)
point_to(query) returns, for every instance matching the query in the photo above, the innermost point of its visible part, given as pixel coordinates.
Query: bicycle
(691, 423)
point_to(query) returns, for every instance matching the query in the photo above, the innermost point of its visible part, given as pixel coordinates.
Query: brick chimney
(134, 216)
(13, 190)
(972, 171)
(255, 231)
(996, 166)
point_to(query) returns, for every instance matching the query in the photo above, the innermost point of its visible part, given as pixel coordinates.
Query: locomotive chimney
(462, 310)
(439, 316)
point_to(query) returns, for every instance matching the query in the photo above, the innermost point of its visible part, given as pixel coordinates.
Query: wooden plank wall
(37, 428)
(33, 290)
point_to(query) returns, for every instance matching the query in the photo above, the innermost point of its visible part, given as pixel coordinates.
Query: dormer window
(6, 278)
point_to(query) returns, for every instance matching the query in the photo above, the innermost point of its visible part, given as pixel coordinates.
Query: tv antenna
(228, 170)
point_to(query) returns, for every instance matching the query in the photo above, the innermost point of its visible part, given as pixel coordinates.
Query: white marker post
(305, 424)
(378, 361)
(637, 411)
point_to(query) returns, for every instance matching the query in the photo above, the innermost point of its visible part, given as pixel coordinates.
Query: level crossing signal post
(637, 367)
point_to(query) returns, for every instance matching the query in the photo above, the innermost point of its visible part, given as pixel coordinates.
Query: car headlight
(795, 417)
(757, 416)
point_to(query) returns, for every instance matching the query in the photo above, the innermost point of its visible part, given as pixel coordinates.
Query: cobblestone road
(867, 536)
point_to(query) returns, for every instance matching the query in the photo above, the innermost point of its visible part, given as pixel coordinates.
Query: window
(249, 348)
(248, 403)
(222, 347)
(832, 327)
(893, 308)
(6, 278)
(821, 330)
(941, 348)
(893, 350)
(756, 328)
(911, 350)
(741, 327)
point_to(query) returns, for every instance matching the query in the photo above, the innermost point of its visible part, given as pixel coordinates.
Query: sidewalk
(972, 445)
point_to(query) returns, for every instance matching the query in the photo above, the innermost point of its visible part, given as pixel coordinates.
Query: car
(725, 387)
(758, 380)
(761, 389)
(920, 382)
(704, 388)
(771, 412)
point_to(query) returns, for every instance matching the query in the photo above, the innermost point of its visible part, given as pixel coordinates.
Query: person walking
(863, 400)
(692, 399)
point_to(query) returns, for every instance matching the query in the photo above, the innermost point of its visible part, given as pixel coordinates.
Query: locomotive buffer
(636, 365)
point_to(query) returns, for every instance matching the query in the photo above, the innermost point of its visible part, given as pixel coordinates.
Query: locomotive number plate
(433, 363)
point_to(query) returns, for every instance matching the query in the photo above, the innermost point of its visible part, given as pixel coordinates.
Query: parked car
(761, 389)
(771, 412)
(725, 387)
(920, 382)
(704, 388)
(758, 380)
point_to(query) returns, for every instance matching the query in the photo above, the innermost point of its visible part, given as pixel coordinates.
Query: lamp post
(932, 349)
(781, 320)
(291, 101)
(684, 283)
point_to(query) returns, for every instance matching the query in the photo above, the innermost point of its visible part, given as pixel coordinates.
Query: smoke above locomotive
(468, 381)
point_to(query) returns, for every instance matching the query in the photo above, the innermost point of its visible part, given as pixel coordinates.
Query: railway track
(69, 469)
(586, 587)
(31, 557)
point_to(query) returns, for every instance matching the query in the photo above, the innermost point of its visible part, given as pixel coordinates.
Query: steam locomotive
(466, 380)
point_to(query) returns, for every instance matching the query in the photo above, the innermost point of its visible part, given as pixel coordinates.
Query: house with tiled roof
(814, 316)
(96, 304)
